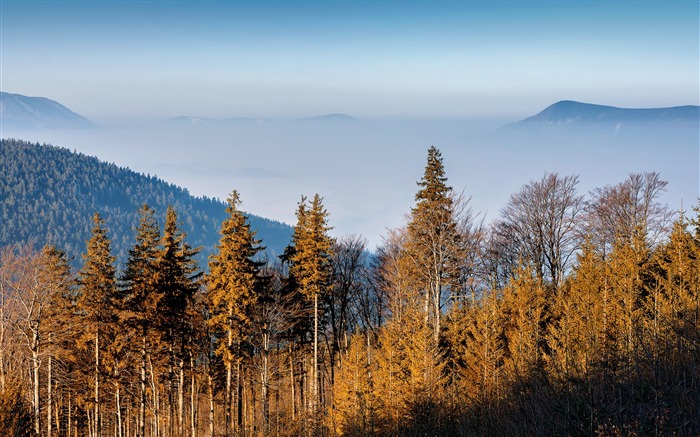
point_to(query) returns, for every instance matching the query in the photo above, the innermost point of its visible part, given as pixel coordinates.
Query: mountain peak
(35, 113)
(570, 111)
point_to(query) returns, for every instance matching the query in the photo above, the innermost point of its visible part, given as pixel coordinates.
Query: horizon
(386, 59)
(414, 73)
(368, 178)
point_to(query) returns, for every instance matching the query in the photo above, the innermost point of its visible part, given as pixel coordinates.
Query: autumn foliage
(569, 314)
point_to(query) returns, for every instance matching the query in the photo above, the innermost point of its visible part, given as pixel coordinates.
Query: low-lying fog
(367, 170)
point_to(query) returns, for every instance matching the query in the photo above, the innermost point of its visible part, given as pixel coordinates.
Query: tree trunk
(436, 308)
(239, 397)
(210, 386)
(314, 374)
(98, 428)
(181, 400)
(156, 398)
(2, 339)
(171, 391)
(193, 398)
(36, 398)
(49, 397)
(118, 403)
(291, 383)
(228, 403)
(57, 412)
(264, 383)
(142, 401)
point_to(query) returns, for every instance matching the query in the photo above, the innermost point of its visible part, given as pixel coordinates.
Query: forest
(50, 193)
(569, 314)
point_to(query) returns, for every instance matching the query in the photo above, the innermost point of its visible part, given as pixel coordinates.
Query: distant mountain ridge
(32, 113)
(185, 120)
(329, 117)
(568, 112)
(49, 195)
(570, 121)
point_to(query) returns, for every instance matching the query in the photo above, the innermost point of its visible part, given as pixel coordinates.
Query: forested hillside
(49, 194)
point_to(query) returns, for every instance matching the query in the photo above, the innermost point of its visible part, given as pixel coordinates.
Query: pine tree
(96, 300)
(232, 280)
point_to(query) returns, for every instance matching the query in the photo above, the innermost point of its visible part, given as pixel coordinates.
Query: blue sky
(416, 73)
(113, 60)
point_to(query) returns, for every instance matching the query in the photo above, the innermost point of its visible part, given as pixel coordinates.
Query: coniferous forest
(50, 194)
(569, 314)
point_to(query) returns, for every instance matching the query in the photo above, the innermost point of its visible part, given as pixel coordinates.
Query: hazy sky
(414, 72)
(113, 60)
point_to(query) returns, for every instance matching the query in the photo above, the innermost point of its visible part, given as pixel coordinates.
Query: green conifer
(96, 298)
(311, 267)
(434, 245)
(140, 297)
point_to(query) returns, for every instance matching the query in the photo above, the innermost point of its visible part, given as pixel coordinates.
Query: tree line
(568, 315)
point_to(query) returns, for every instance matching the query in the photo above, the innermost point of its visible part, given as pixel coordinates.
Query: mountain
(330, 117)
(570, 119)
(49, 194)
(202, 121)
(569, 112)
(33, 113)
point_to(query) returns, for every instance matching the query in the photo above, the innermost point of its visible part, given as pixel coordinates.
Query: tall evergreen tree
(140, 297)
(178, 282)
(96, 299)
(311, 267)
(233, 276)
(434, 244)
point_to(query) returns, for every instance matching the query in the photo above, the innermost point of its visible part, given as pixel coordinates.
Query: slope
(22, 112)
(49, 194)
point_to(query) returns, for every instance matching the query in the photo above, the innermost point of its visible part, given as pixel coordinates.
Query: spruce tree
(178, 282)
(96, 299)
(140, 297)
(311, 268)
(434, 244)
(232, 280)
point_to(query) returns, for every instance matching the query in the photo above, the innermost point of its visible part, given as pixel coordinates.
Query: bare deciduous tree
(538, 226)
(631, 207)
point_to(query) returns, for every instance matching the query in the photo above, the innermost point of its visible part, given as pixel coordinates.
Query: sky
(415, 73)
(127, 60)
